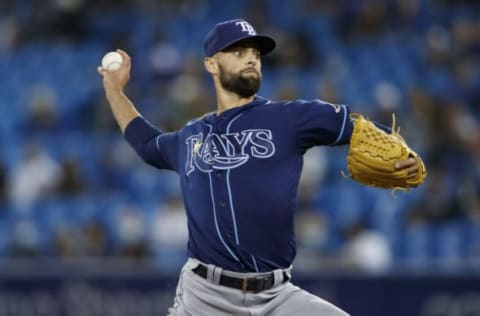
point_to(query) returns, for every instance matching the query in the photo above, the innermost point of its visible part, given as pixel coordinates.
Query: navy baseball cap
(227, 33)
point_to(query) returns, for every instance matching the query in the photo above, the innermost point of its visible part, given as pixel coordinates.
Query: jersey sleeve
(152, 145)
(322, 123)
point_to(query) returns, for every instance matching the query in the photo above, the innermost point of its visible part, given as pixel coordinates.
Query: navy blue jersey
(239, 172)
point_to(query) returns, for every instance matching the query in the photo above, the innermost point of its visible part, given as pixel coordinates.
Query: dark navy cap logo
(227, 33)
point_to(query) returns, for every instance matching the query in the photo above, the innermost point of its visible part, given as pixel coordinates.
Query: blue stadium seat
(450, 244)
(417, 245)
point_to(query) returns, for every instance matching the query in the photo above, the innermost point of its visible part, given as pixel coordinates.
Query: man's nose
(252, 57)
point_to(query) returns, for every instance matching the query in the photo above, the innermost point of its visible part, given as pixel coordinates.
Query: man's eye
(237, 53)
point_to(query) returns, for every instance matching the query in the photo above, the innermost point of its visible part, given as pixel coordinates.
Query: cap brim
(264, 43)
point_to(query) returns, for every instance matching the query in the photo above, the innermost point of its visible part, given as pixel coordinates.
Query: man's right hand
(115, 81)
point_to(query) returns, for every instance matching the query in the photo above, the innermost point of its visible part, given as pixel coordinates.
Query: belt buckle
(244, 285)
(260, 283)
(247, 281)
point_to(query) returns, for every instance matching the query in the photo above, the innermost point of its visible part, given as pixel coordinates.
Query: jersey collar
(228, 114)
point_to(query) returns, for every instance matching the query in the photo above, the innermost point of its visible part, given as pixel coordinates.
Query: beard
(243, 85)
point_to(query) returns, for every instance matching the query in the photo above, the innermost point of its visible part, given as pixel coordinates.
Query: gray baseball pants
(197, 296)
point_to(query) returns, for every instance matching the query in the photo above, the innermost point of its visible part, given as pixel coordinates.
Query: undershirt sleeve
(155, 147)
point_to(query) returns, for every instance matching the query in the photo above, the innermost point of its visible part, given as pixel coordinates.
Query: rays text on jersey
(227, 151)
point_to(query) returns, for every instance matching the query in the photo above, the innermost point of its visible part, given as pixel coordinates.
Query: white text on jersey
(227, 151)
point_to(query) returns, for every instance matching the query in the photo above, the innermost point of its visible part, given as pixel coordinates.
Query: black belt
(253, 284)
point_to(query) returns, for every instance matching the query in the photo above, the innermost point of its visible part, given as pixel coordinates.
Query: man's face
(240, 69)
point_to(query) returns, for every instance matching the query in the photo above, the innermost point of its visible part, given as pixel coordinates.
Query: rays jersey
(239, 172)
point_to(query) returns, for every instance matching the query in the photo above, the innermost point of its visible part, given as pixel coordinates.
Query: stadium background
(86, 226)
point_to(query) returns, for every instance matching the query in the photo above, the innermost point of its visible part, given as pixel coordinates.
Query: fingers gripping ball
(112, 61)
(373, 154)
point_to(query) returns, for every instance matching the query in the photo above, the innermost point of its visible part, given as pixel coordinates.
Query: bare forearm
(123, 109)
(114, 83)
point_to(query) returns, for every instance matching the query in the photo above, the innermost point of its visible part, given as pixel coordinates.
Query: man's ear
(210, 65)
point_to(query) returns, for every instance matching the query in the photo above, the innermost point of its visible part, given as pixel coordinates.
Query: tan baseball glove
(373, 154)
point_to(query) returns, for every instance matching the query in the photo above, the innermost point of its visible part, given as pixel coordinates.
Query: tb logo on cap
(246, 27)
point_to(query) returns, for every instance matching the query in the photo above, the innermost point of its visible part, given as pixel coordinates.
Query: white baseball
(112, 61)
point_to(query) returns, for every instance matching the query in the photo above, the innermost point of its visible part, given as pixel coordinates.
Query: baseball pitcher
(239, 169)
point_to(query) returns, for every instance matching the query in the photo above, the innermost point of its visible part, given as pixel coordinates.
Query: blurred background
(86, 228)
